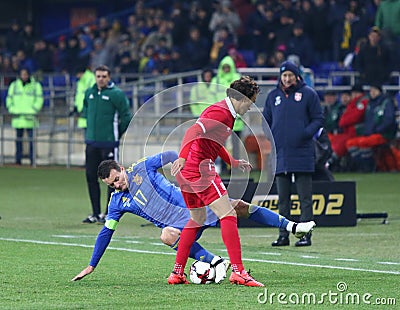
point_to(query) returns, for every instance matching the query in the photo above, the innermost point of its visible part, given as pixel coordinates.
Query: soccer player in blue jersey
(143, 191)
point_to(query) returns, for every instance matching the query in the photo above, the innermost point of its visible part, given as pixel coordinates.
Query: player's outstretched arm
(102, 242)
(83, 273)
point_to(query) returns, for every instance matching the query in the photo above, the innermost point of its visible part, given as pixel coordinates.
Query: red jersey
(205, 140)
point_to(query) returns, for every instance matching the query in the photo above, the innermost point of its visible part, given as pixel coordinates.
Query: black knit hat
(376, 85)
(289, 66)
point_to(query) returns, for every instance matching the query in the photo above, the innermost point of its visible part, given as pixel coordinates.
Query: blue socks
(197, 252)
(267, 217)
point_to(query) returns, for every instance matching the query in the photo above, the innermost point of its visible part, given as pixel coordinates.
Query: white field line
(173, 253)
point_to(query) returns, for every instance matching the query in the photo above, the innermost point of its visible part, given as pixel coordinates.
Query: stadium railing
(60, 142)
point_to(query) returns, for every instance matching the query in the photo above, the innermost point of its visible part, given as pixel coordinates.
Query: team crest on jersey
(360, 106)
(298, 96)
(137, 179)
(278, 100)
(105, 97)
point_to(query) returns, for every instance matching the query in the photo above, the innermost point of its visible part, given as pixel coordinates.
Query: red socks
(230, 236)
(187, 238)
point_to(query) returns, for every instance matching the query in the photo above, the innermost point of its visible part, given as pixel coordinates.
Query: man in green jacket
(24, 100)
(106, 109)
(86, 79)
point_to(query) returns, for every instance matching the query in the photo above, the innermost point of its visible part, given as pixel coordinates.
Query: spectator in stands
(346, 34)
(261, 60)
(72, 54)
(24, 61)
(103, 103)
(201, 94)
(14, 38)
(153, 38)
(307, 76)
(304, 16)
(333, 110)
(285, 29)
(42, 57)
(237, 57)
(163, 64)
(350, 124)
(99, 55)
(219, 48)
(224, 17)
(128, 63)
(293, 112)
(85, 48)
(60, 55)
(147, 63)
(379, 128)
(277, 58)
(28, 39)
(196, 49)
(179, 24)
(104, 24)
(178, 63)
(321, 30)
(300, 44)
(261, 27)
(24, 100)
(86, 79)
(201, 20)
(373, 60)
(7, 70)
(126, 44)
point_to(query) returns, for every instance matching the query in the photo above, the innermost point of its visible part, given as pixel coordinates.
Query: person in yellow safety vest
(86, 79)
(226, 74)
(24, 100)
(201, 95)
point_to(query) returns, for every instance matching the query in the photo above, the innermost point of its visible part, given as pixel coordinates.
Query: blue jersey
(150, 196)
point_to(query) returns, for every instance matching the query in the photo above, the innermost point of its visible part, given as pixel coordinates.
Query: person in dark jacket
(373, 60)
(293, 112)
(106, 109)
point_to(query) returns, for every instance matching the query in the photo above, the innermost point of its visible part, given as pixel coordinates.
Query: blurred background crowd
(177, 36)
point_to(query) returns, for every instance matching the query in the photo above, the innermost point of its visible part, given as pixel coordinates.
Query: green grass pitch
(43, 245)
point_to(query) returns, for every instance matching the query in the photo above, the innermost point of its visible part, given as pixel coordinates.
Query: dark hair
(103, 171)
(243, 86)
(103, 68)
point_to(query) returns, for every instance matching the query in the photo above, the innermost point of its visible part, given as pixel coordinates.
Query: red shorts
(200, 185)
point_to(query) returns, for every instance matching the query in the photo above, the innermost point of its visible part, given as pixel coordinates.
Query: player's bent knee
(242, 209)
(169, 235)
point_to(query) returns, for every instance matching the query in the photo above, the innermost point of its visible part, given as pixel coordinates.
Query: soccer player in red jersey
(201, 185)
